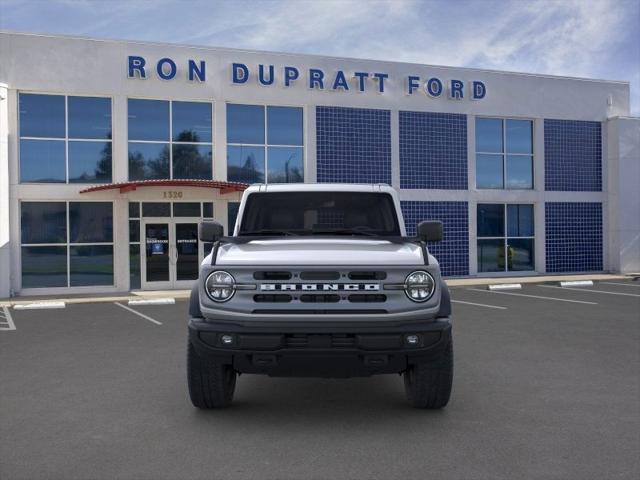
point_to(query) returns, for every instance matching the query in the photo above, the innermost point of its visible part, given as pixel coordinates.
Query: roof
(320, 187)
(223, 187)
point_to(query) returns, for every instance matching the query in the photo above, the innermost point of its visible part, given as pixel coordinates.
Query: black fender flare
(445, 301)
(194, 302)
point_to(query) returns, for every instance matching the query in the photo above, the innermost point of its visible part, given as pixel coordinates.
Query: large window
(66, 244)
(504, 153)
(505, 237)
(170, 140)
(265, 143)
(65, 139)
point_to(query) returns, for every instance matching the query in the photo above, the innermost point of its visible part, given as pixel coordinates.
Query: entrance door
(171, 253)
(187, 253)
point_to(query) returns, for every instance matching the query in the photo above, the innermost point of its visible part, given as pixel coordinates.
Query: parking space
(546, 386)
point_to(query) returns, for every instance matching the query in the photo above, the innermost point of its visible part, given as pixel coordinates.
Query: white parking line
(138, 313)
(39, 305)
(622, 284)
(591, 290)
(479, 304)
(153, 301)
(8, 321)
(536, 296)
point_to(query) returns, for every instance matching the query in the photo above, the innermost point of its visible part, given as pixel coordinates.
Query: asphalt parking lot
(547, 385)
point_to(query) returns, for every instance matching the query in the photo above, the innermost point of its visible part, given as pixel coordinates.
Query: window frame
(67, 244)
(170, 142)
(265, 146)
(66, 139)
(504, 154)
(506, 237)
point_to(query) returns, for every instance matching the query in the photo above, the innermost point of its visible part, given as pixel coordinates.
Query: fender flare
(194, 302)
(445, 301)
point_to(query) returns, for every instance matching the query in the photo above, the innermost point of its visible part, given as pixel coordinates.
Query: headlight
(419, 286)
(220, 286)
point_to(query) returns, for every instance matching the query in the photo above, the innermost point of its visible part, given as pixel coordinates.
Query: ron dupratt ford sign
(314, 78)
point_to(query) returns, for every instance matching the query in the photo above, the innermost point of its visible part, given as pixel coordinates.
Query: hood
(310, 251)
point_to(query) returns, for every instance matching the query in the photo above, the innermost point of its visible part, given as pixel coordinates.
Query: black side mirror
(430, 231)
(210, 231)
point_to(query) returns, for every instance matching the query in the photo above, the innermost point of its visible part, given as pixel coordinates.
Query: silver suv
(320, 280)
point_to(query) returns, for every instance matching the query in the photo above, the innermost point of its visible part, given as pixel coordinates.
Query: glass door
(156, 260)
(171, 257)
(187, 253)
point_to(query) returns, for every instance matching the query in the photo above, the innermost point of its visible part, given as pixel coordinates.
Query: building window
(65, 139)
(505, 237)
(265, 143)
(170, 140)
(66, 244)
(504, 153)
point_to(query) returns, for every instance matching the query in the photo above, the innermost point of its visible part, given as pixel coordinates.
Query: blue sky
(584, 38)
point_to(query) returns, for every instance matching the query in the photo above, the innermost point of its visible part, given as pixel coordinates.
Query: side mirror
(430, 231)
(210, 231)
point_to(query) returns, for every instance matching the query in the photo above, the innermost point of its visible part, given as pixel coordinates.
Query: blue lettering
(290, 74)
(362, 77)
(433, 87)
(196, 72)
(136, 64)
(238, 77)
(316, 77)
(455, 90)
(380, 77)
(479, 90)
(340, 81)
(412, 84)
(261, 79)
(161, 71)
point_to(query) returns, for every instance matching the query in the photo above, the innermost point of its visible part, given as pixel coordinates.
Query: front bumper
(345, 350)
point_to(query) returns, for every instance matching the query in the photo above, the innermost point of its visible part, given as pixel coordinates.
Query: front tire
(428, 383)
(211, 384)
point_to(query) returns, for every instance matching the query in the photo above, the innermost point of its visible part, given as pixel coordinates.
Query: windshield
(320, 213)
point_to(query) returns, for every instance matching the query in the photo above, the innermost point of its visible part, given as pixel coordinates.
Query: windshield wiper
(268, 231)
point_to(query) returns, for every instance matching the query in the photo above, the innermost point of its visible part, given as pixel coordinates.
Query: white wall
(5, 245)
(623, 158)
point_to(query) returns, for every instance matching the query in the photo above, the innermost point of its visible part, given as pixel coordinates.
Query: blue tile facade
(353, 145)
(453, 251)
(572, 155)
(573, 236)
(433, 150)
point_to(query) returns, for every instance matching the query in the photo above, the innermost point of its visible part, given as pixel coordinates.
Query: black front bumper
(305, 351)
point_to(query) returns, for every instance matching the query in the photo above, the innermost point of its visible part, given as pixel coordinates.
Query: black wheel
(211, 384)
(428, 383)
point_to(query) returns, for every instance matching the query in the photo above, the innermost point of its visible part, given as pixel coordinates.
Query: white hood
(310, 251)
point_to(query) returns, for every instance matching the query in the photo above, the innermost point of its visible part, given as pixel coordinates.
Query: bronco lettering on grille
(324, 287)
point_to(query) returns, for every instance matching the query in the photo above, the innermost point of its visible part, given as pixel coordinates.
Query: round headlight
(419, 286)
(220, 286)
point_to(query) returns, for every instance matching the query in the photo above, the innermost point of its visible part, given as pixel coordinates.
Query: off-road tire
(211, 384)
(428, 383)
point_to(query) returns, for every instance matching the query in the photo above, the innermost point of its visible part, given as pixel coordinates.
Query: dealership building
(111, 152)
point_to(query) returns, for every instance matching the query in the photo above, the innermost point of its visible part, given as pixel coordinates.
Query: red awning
(224, 187)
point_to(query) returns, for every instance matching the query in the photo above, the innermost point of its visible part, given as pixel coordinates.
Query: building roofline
(316, 55)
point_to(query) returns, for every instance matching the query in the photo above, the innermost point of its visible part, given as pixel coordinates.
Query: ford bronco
(320, 280)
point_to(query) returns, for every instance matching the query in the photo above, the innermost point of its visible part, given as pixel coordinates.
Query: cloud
(589, 38)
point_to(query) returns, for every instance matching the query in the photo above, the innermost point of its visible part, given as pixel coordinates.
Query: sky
(580, 38)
